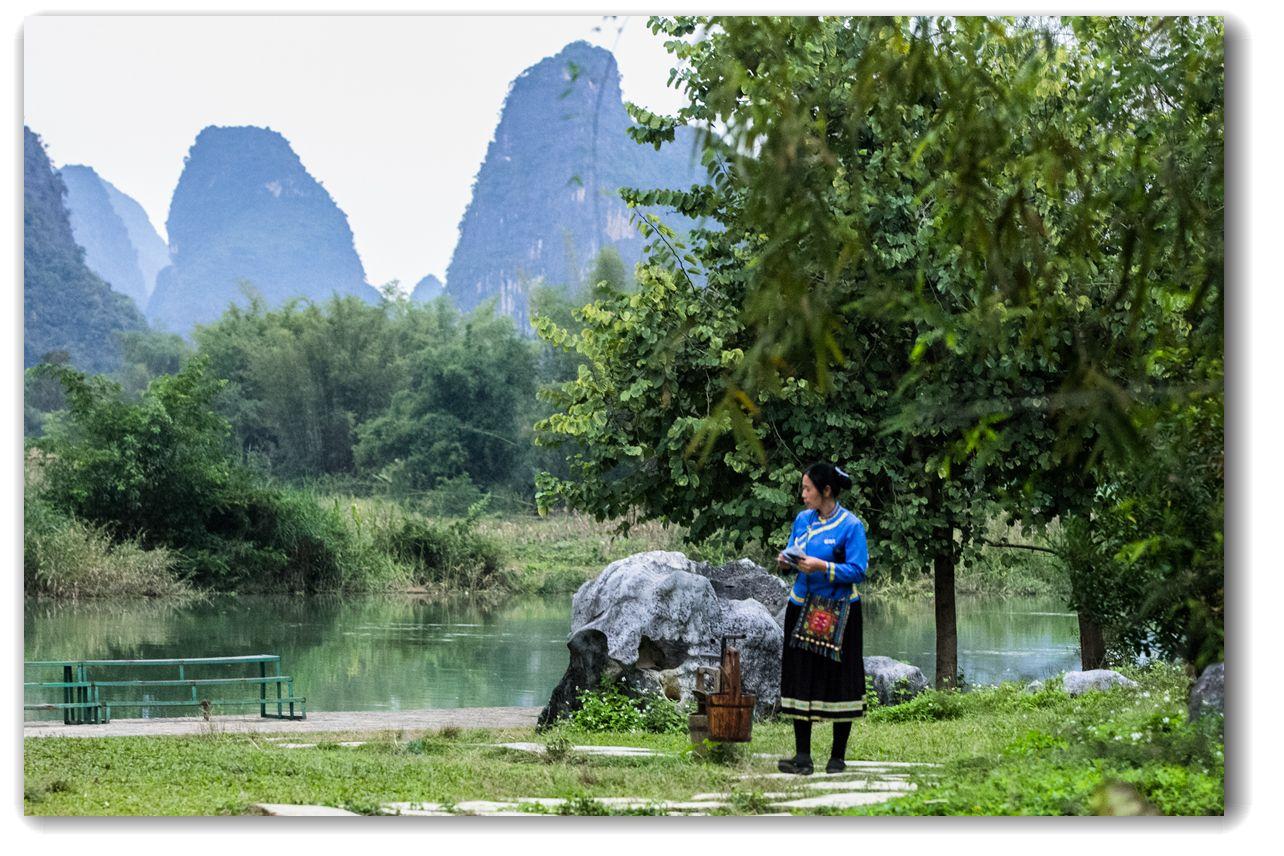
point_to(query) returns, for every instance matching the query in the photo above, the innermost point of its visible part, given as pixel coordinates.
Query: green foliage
(454, 553)
(149, 469)
(997, 759)
(609, 709)
(1148, 565)
(973, 260)
(301, 378)
(461, 408)
(158, 472)
(583, 806)
(63, 557)
(146, 355)
(1033, 742)
(1080, 749)
(558, 748)
(928, 706)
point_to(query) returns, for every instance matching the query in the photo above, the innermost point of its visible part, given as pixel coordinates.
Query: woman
(822, 676)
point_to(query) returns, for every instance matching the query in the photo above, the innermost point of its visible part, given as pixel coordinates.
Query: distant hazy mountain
(246, 210)
(428, 288)
(66, 306)
(97, 227)
(153, 254)
(545, 201)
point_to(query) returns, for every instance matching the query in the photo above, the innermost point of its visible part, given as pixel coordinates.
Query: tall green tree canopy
(971, 259)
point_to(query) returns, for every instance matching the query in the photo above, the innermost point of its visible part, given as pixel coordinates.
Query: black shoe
(797, 766)
(836, 765)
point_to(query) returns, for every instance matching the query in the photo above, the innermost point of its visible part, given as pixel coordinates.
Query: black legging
(802, 739)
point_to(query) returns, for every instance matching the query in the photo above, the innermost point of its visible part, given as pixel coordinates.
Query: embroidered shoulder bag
(820, 626)
(822, 622)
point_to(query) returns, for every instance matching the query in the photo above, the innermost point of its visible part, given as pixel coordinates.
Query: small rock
(1209, 693)
(1034, 687)
(1094, 680)
(894, 681)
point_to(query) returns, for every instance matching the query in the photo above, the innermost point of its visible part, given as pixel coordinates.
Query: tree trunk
(947, 637)
(1092, 644)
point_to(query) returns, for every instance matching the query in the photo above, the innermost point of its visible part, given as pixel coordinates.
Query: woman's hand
(782, 563)
(812, 564)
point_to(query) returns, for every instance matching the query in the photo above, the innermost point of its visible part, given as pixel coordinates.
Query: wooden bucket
(731, 717)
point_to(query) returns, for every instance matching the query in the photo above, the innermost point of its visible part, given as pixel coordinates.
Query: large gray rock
(743, 579)
(1209, 693)
(1094, 680)
(894, 681)
(653, 619)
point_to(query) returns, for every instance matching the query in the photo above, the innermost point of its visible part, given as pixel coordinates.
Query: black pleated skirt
(815, 687)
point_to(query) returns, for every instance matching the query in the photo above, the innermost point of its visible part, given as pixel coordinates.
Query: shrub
(64, 557)
(608, 708)
(453, 553)
(929, 706)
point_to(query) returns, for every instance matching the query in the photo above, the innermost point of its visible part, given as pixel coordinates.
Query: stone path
(379, 720)
(862, 783)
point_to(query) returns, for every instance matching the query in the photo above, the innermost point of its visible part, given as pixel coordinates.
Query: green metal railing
(89, 700)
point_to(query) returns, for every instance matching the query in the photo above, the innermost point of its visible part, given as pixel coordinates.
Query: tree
(967, 240)
(150, 470)
(302, 378)
(462, 409)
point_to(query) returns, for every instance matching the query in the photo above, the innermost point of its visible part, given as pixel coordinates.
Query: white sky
(391, 114)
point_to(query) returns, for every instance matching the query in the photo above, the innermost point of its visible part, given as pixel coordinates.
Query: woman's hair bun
(824, 474)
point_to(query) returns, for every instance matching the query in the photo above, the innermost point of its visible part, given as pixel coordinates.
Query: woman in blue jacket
(822, 676)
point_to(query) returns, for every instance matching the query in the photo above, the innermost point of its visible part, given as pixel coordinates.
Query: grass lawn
(1001, 751)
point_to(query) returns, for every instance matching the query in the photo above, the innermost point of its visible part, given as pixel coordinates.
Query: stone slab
(483, 806)
(844, 800)
(412, 806)
(284, 810)
(862, 785)
(627, 802)
(819, 774)
(546, 802)
(861, 763)
(612, 751)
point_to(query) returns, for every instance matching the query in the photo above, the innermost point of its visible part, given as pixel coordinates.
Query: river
(402, 652)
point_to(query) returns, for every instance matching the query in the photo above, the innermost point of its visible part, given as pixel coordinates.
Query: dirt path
(464, 717)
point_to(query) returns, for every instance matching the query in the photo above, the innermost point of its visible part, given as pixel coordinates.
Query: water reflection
(1014, 639)
(393, 653)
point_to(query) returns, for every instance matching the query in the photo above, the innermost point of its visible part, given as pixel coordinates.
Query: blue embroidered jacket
(838, 539)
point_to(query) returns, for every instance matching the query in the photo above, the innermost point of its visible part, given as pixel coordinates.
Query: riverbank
(331, 541)
(558, 553)
(999, 750)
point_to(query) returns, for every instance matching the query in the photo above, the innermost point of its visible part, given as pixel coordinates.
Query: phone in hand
(793, 555)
